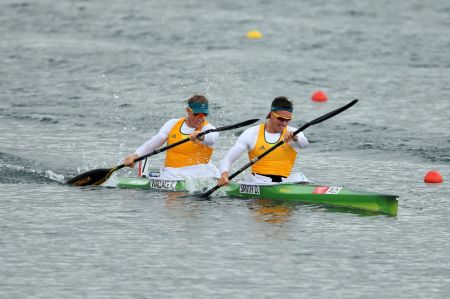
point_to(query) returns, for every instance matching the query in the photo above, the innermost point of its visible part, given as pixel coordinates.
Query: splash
(50, 174)
(199, 184)
(14, 169)
(111, 182)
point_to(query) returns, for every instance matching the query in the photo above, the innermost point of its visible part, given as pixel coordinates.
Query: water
(86, 82)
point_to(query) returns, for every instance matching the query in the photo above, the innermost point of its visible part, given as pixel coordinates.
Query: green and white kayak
(300, 192)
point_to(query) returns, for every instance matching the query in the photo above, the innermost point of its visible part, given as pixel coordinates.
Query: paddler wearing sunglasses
(190, 158)
(277, 165)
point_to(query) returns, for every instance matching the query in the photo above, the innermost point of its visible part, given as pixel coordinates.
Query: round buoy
(319, 96)
(254, 34)
(433, 177)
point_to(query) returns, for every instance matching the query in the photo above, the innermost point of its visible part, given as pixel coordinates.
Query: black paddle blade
(332, 113)
(207, 193)
(92, 177)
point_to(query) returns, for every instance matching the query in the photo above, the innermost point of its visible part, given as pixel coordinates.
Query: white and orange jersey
(184, 130)
(255, 141)
(189, 153)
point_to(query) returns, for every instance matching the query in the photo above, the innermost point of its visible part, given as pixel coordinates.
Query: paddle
(313, 122)
(98, 176)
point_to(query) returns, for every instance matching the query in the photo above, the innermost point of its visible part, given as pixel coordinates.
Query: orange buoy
(319, 96)
(433, 177)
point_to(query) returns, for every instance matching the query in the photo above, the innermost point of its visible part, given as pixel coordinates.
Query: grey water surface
(83, 83)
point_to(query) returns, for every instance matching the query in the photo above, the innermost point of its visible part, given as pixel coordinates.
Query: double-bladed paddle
(313, 122)
(98, 176)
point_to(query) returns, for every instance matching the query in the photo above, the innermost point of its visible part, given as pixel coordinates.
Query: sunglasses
(197, 114)
(282, 118)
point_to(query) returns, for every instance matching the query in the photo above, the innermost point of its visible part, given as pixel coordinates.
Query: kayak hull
(320, 194)
(301, 192)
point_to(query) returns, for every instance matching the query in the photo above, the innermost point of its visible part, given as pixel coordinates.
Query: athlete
(190, 158)
(277, 165)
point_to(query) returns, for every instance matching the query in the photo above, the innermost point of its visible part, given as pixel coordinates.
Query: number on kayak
(326, 190)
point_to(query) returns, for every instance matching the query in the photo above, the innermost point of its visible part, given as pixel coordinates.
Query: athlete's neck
(270, 128)
(193, 124)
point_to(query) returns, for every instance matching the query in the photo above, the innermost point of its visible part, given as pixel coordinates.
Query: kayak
(287, 192)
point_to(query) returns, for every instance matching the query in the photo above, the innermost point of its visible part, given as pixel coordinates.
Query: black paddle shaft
(313, 122)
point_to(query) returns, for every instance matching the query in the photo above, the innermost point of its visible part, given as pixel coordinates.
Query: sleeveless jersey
(188, 153)
(278, 162)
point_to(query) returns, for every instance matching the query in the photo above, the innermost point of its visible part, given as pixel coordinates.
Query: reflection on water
(278, 211)
(176, 203)
(266, 210)
(174, 200)
(263, 209)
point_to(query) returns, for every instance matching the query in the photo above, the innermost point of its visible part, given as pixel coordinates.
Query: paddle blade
(92, 177)
(207, 193)
(332, 113)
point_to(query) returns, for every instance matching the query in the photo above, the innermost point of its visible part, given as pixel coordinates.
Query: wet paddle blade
(208, 192)
(92, 177)
(332, 113)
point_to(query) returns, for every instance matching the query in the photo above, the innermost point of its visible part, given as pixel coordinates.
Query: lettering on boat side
(82, 181)
(326, 190)
(333, 190)
(285, 190)
(249, 189)
(163, 185)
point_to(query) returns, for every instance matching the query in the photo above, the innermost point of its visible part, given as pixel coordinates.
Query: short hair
(282, 102)
(197, 99)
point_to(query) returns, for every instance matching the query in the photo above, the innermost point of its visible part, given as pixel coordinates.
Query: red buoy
(319, 96)
(433, 177)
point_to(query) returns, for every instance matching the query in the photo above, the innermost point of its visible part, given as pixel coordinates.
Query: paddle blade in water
(92, 177)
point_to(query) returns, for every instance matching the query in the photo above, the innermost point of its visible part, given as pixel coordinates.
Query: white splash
(54, 176)
(199, 184)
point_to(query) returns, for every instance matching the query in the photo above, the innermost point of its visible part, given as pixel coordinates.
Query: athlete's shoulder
(168, 125)
(253, 128)
(173, 120)
(250, 133)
